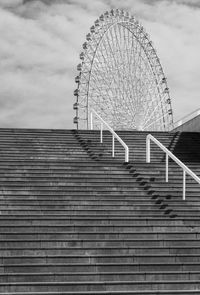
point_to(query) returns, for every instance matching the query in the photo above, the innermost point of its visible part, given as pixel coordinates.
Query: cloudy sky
(40, 45)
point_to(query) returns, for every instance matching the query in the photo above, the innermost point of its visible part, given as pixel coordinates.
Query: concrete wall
(192, 125)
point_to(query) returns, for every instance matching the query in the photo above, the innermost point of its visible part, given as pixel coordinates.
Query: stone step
(126, 184)
(145, 212)
(13, 196)
(99, 276)
(140, 250)
(68, 182)
(100, 286)
(13, 149)
(99, 267)
(140, 212)
(63, 193)
(71, 201)
(60, 235)
(75, 173)
(96, 177)
(117, 191)
(173, 186)
(188, 218)
(25, 228)
(59, 197)
(98, 242)
(91, 259)
(34, 202)
(55, 220)
(83, 207)
(58, 163)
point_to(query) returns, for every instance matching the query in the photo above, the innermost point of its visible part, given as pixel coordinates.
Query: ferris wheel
(121, 78)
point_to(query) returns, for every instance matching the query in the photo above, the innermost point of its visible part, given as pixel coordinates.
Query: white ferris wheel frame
(159, 114)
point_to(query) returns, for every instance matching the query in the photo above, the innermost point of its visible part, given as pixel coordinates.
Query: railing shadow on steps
(185, 147)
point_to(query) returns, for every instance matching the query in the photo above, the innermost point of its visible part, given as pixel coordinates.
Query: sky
(41, 42)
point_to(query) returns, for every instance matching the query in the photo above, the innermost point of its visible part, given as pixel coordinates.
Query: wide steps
(73, 220)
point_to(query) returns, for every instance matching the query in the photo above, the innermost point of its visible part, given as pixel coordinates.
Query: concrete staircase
(75, 221)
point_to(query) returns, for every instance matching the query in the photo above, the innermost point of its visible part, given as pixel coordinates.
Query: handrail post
(91, 121)
(167, 168)
(101, 133)
(126, 155)
(113, 146)
(148, 150)
(184, 184)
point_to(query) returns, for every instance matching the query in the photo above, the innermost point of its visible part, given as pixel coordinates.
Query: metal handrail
(186, 170)
(114, 135)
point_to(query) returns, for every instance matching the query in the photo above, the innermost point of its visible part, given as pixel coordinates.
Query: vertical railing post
(113, 146)
(184, 184)
(91, 121)
(126, 155)
(101, 133)
(167, 168)
(147, 150)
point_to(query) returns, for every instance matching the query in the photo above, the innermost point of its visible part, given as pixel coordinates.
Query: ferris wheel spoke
(120, 59)
(153, 113)
(106, 97)
(157, 120)
(128, 66)
(151, 105)
(132, 67)
(135, 75)
(118, 65)
(117, 68)
(130, 85)
(115, 71)
(104, 72)
(139, 63)
(113, 77)
(151, 82)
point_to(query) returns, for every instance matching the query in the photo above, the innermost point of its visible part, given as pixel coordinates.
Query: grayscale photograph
(99, 147)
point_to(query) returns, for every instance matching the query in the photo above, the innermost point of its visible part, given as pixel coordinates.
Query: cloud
(10, 3)
(41, 42)
(37, 70)
(192, 3)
